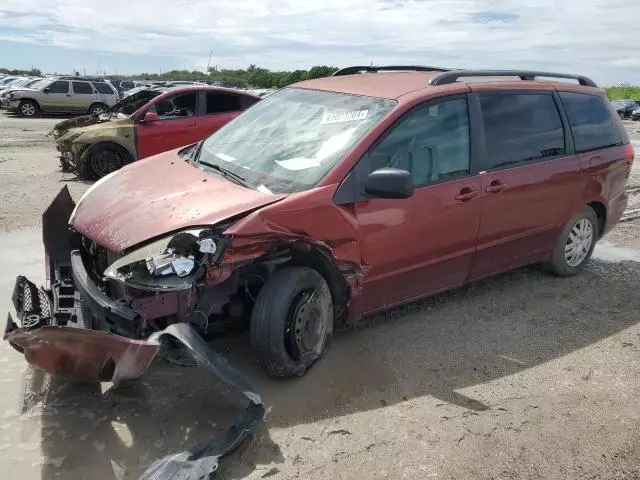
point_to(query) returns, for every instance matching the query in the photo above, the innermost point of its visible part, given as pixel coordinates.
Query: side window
(59, 86)
(520, 128)
(126, 85)
(178, 106)
(83, 88)
(431, 142)
(592, 124)
(103, 88)
(218, 102)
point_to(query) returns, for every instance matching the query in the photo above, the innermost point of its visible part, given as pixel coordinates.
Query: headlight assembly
(171, 263)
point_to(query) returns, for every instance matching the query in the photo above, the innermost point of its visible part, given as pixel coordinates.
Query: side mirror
(389, 183)
(150, 117)
(45, 90)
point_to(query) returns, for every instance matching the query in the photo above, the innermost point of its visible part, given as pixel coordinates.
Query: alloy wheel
(28, 110)
(579, 242)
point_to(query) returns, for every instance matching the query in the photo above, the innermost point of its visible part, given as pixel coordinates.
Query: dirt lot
(521, 376)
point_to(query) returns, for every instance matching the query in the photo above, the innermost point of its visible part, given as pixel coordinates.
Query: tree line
(252, 77)
(258, 77)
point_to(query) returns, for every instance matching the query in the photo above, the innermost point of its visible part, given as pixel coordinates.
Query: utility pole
(209, 61)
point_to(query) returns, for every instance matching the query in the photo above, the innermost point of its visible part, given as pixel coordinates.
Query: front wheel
(575, 244)
(28, 108)
(104, 159)
(292, 321)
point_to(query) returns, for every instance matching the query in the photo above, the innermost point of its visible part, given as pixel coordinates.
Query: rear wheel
(97, 108)
(292, 321)
(28, 108)
(575, 244)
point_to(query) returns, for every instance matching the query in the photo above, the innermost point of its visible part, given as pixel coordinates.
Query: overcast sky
(594, 37)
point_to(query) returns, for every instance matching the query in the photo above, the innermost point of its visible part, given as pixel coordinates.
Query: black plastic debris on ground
(201, 461)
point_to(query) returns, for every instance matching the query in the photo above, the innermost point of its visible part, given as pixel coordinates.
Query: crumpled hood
(89, 124)
(159, 195)
(7, 90)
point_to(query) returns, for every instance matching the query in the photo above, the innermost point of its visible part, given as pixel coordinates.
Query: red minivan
(338, 197)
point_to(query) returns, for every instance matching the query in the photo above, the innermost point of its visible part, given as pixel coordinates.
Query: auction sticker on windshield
(343, 117)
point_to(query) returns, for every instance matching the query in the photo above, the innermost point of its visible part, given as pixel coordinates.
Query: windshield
(290, 140)
(131, 103)
(36, 83)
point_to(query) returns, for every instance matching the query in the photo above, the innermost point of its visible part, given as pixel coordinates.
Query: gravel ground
(523, 376)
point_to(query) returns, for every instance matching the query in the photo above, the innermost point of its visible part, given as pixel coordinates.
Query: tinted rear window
(103, 88)
(246, 101)
(592, 124)
(520, 128)
(222, 102)
(82, 88)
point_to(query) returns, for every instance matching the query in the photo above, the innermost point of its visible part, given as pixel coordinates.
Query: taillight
(628, 150)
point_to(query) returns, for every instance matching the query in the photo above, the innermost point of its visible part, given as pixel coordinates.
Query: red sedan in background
(150, 122)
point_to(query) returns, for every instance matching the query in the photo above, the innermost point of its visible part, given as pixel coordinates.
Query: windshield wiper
(239, 179)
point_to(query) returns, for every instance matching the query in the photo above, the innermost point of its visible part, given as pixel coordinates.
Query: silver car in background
(63, 95)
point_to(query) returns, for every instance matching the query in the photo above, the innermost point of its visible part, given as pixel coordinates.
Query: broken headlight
(171, 263)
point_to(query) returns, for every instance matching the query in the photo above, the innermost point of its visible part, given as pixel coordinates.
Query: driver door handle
(495, 187)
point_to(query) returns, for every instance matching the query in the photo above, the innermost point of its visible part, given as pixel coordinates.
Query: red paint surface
(159, 195)
(167, 134)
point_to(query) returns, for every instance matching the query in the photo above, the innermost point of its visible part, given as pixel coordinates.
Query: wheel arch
(307, 255)
(96, 144)
(97, 103)
(601, 212)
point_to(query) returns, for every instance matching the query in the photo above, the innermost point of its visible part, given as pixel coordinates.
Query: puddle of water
(610, 253)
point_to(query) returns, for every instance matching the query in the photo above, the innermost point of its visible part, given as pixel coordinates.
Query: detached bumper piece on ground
(89, 355)
(55, 337)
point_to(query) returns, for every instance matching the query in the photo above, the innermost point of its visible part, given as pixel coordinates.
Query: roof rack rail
(387, 68)
(79, 78)
(454, 75)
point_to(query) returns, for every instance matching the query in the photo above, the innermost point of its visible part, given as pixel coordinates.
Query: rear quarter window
(246, 101)
(220, 102)
(592, 123)
(103, 88)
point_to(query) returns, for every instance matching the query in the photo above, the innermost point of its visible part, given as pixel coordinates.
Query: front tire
(28, 108)
(104, 159)
(575, 244)
(292, 321)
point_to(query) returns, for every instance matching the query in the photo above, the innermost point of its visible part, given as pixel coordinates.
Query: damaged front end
(93, 320)
(77, 330)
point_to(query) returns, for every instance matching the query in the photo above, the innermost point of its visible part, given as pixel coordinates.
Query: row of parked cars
(331, 199)
(627, 109)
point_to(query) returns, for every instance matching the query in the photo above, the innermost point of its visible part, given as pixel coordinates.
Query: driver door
(174, 128)
(426, 243)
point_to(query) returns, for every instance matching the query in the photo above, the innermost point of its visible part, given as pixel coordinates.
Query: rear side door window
(592, 124)
(520, 128)
(82, 88)
(431, 142)
(220, 102)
